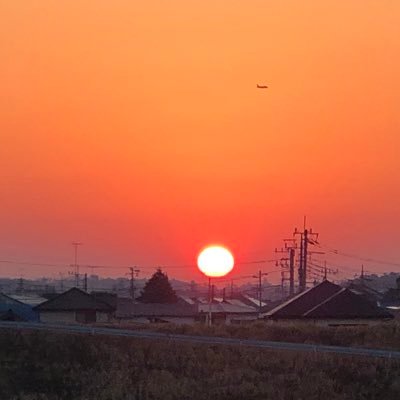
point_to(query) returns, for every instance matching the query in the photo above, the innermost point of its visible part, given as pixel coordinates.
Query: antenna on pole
(76, 265)
(259, 289)
(134, 273)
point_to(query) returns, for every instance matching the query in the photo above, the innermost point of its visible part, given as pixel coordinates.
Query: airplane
(262, 86)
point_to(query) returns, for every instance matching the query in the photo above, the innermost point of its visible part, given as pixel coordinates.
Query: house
(227, 313)
(105, 297)
(178, 313)
(31, 300)
(187, 300)
(364, 290)
(15, 310)
(391, 298)
(74, 306)
(328, 304)
(243, 298)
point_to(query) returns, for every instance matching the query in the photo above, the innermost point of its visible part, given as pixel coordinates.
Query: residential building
(179, 313)
(227, 313)
(74, 306)
(328, 304)
(15, 310)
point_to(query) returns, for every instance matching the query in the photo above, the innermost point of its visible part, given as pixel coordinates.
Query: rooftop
(73, 299)
(327, 300)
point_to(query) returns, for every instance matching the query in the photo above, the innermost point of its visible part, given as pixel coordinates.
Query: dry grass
(55, 366)
(383, 336)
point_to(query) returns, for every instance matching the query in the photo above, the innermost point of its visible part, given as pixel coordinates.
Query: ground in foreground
(45, 366)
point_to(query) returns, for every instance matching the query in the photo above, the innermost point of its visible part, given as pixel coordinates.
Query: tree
(158, 290)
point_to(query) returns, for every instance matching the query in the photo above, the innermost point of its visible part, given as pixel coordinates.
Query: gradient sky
(136, 127)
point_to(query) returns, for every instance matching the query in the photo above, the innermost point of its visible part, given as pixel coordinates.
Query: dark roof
(73, 299)
(327, 300)
(127, 308)
(105, 297)
(246, 300)
(346, 304)
(366, 291)
(270, 306)
(23, 311)
(226, 308)
(391, 298)
(305, 301)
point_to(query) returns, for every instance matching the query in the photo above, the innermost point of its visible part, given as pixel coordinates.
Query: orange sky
(136, 127)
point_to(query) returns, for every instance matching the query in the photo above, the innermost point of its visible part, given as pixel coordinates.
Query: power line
(241, 277)
(87, 266)
(34, 264)
(358, 257)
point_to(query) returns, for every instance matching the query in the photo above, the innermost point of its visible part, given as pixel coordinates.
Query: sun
(215, 261)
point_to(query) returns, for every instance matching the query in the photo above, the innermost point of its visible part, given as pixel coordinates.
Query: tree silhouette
(158, 290)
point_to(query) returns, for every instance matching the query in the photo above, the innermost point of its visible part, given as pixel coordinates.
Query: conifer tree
(158, 289)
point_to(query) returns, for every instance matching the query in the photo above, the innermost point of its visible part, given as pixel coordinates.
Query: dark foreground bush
(55, 366)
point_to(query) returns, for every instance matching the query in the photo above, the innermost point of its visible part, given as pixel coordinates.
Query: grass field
(382, 336)
(45, 366)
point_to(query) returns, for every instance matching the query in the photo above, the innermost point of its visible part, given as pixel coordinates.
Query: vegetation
(383, 336)
(56, 366)
(158, 290)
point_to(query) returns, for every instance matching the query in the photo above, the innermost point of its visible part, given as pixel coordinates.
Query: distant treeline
(45, 366)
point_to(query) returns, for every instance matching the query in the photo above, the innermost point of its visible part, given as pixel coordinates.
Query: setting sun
(215, 261)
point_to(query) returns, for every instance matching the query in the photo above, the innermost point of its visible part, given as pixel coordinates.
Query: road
(210, 340)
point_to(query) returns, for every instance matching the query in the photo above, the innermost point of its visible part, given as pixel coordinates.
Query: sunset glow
(215, 261)
(136, 128)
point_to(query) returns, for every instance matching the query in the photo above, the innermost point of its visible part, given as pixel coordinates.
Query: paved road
(262, 344)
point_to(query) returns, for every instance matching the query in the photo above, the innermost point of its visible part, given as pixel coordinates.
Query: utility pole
(291, 271)
(20, 287)
(134, 273)
(259, 276)
(85, 283)
(283, 263)
(305, 249)
(321, 271)
(76, 265)
(292, 252)
(209, 319)
(301, 269)
(61, 282)
(304, 242)
(193, 289)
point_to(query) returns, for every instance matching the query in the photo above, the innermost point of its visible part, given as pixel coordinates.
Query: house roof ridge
(324, 302)
(285, 303)
(73, 289)
(11, 298)
(324, 289)
(56, 297)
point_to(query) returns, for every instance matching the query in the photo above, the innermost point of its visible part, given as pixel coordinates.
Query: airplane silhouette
(262, 86)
